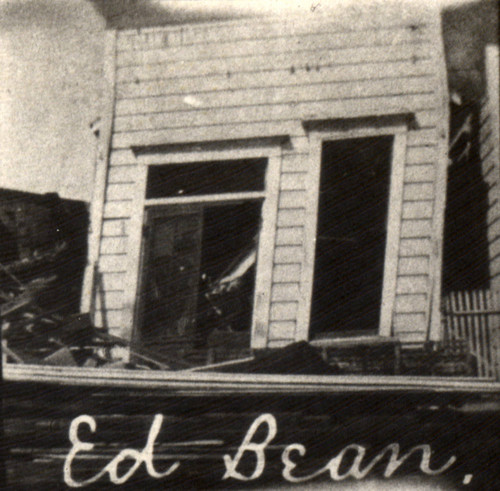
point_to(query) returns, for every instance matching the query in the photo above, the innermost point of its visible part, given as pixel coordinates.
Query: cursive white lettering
(248, 446)
(145, 456)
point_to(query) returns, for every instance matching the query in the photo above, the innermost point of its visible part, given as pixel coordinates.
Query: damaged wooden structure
(265, 181)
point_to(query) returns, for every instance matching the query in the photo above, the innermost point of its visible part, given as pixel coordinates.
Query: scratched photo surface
(250, 244)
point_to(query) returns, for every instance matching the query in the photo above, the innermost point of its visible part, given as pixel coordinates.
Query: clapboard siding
(290, 236)
(489, 150)
(261, 87)
(308, 41)
(285, 292)
(283, 273)
(255, 78)
(255, 62)
(282, 330)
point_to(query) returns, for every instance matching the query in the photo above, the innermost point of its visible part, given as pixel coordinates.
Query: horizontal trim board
(252, 62)
(257, 84)
(110, 318)
(111, 300)
(306, 42)
(294, 181)
(295, 162)
(177, 383)
(206, 124)
(418, 155)
(206, 134)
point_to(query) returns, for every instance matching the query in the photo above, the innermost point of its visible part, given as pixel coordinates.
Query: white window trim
(316, 139)
(262, 296)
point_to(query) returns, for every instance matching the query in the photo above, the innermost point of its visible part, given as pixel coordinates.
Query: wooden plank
(306, 42)
(412, 336)
(113, 319)
(223, 132)
(112, 281)
(122, 174)
(314, 59)
(347, 19)
(421, 155)
(296, 162)
(114, 245)
(418, 209)
(291, 218)
(122, 157)
(418, 191)
(415, 247)
(287, 84)
(418, 265)
(290, 236)
(282, 330)
(293, 181)
(285, 292)
(118, 209)
(113, 263)
(410, 303)
(416, 228)
(410, 322)
(114, 227)
(420, 173)
(109, 300)
(392, 102)
(119, 191)
(383, 104)
(486, 341)
(292, 199)
(412, 284)
(422, 136)
(283, 273)
(288, 254)
(283, 311)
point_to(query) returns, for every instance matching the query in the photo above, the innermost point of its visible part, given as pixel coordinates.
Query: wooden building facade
(301, 161)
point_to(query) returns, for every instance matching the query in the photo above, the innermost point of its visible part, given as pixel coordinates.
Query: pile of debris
(37, 327)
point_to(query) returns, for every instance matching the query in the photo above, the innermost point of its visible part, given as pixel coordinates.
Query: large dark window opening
(351, 236)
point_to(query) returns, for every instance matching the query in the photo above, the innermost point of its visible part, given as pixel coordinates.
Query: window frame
(398, 130)
(269, 197)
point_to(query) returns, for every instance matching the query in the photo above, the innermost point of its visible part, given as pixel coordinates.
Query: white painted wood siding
(258, 78)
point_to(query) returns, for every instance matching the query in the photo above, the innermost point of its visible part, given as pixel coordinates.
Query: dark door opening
(351, 236)
(198, 276)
